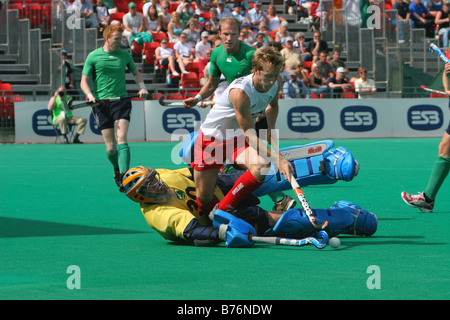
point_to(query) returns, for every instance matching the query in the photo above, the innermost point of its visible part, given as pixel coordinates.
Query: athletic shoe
(418, 201)
(118, 180)
(175, 74)
(284, 204)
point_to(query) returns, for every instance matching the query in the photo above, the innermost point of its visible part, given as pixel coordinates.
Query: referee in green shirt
(106, 67)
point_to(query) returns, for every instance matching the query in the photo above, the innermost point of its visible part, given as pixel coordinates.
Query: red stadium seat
(190, 80)
(149, 52)
(158, 36)
(192, 67)
(117, 16)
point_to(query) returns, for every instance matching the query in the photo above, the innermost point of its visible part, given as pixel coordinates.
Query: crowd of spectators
(190, 32)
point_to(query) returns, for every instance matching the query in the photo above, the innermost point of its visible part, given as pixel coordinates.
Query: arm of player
(84, 84)
(207, 90)
(445, 75)
(271, 115)
(138, 78)
(244, 117)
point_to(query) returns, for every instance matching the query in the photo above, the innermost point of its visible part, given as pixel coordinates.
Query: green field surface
(60, 208)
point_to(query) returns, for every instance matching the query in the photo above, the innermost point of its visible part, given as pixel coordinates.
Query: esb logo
(358, 118)
(42, 123)
(305, 119)
(425, 117)
(179, 118)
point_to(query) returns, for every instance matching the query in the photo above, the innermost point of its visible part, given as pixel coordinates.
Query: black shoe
(66, 141)
(77, 141)
(118, 180)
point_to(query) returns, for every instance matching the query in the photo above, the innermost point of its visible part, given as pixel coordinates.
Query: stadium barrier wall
(33, 123)
(299, 118)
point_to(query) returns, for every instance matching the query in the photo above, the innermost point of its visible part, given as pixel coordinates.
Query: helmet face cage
(145, 186)
(153, 188)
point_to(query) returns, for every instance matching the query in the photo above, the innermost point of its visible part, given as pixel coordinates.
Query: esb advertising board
(297, 118)
(34, 123)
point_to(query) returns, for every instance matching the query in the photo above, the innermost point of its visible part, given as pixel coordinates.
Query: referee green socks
(123, 151)
(438, 175)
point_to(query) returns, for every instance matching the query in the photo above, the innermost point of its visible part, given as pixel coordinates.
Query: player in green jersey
(106, 67)
(233, 59)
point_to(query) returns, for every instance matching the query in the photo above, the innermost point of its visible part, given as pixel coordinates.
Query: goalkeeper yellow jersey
(170, 219)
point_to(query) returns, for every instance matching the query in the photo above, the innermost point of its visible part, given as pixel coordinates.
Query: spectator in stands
(256, 16)
(222, 11)
(363, 85)
(325, 68)
(207, 26)
(302, 73)
(166, 57)
(193, 36)
(205, 5)
(301, 45)
(214, 20)
(183, 4)
(316, 45)
(283, 33)
(274, 19)
(263, 29)
(87, 12)
(434, 6)
(102, 16)
(442, 21)
(164, 16)
(148, 3)
(338, 83)
(421, 17)
(184, 53)
(259, 41)
(317, 83)
(294, 88)
(403, 16)
(203, 67)
(186, 14)
(62, 115)
(133, 22)
(202, 46)
(110, 5)
(175, 27)
(151, 19)
(248, 35)
(290, 55)
(238, 13)
(337, 62)
(244, 39)
(68, 72)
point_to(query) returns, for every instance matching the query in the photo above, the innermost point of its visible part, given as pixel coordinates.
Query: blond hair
(267, 56)
(229, 21)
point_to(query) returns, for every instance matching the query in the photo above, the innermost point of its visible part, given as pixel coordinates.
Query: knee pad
(365, 223)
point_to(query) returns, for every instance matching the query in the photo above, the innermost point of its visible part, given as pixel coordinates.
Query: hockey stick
(174, 103)
(320, 244)
(432, 90)
(91, 104)
(305, 205)
(434, 48)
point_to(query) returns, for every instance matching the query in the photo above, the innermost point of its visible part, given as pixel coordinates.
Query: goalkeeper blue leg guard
(343, 218)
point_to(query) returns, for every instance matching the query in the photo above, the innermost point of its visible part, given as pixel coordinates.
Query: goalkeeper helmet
(144, 185)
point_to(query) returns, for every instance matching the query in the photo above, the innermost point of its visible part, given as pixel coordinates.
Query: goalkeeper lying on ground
(167, 201)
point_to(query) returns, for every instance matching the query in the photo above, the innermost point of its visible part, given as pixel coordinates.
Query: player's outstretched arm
(207, 90)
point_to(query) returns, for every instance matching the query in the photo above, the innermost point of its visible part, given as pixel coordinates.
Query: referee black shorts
(107, 113)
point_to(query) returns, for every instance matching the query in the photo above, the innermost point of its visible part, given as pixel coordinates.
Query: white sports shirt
(222, 116)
